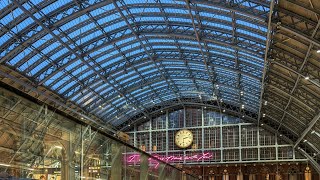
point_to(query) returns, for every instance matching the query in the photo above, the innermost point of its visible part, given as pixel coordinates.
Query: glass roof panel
(165, 62)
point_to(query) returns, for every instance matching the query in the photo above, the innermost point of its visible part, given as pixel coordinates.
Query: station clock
(183, 138)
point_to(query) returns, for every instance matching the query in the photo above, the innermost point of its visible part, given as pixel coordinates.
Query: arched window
(293, 173)
(307, 173)
(225, 175)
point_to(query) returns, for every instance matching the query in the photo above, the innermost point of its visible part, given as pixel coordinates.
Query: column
(162, 172)
(116, 164)
(144, 167)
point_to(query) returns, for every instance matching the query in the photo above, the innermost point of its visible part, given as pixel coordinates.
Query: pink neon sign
(135, 158)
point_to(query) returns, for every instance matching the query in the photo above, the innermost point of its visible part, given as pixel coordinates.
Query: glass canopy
(116, 59)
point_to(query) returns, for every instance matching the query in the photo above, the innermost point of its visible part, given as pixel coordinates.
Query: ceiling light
(280, 135)
(262, 124)
(263, 115)
(7, 165)
(265, 103)
(221, 100)
(224, 110)
(243, 116)
(161, 111)
(100, 106)
(304, 140)
(58, 147)
(307, 78)
(129, 125)
(205, 107)
(312, 132)
(318, 51)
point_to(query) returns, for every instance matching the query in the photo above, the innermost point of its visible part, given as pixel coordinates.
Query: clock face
(183, 138)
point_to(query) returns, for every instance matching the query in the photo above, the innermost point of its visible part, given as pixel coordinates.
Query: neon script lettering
(135, 158)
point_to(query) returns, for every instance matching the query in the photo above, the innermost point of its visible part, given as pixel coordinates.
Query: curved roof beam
(137, 85)
(307, 130)
(133, 63)
(288, 86)
(56, 25)
(72, 50)
(195, 97)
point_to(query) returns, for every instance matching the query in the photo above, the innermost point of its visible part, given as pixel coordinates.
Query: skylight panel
(196, 66)
(187, 42)
(150, 71)
(112, 27)
(89, 37)
(53, 6)
(99, 11)
(41, 41)
(129, 2)
(130, 77)
(256, 63)
(100, 53)
(176, 11)
(67, 86)
(28, 63)
(123, 41)
(173, 19)
(152, 19)
(22, 25)
(53, 78)
(20, 56)
(220, 47)
(254, 34)
(50, 47)
(109, 88)
(4, 39)
(4, 4)
(252, 25)
(85, 74)
(136, 52)
(87, 101)
(60, 82)
(59, 53)
(131, 46)
(217, 16)
(167, 46)
(212, 7)
(190, 48)
(219, 25)
(10, 17)
(39, 67)
(79, 70)
(73, 65)
(74, 22)
(111, 61)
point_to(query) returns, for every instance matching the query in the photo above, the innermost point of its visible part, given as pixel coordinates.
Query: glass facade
(36, 143)
(217, 138)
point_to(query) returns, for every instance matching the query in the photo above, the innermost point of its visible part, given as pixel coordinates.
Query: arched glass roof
(116, 59)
